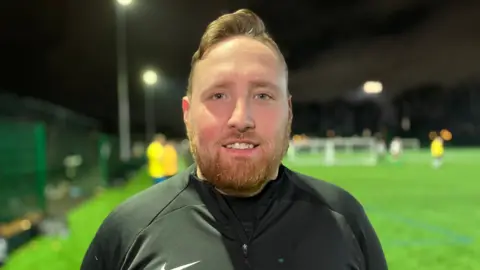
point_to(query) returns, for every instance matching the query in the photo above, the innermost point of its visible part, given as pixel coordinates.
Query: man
(381, 147)
(396, 148)
(238, 207)
(436, 149)
(155, 153)
(170, 160)
(3, 251)
(186, 153)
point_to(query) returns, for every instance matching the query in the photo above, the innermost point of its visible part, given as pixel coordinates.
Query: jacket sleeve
(105, 251)
(367, 238)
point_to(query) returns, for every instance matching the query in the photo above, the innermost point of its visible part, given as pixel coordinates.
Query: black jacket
(297, 223)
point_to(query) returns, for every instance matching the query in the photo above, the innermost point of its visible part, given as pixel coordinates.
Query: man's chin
(237, 174)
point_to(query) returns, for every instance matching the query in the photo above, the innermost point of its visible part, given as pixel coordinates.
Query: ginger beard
(240, 177)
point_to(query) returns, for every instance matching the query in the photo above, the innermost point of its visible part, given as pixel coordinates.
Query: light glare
(373, 87)
(124, 2)
(150, 77)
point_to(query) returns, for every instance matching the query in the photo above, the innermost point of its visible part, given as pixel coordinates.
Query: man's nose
(241, 118)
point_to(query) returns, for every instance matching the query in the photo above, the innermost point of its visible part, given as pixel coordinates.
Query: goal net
(334, 151)
(410, 144)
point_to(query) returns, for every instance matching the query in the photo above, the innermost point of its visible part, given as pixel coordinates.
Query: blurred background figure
(3, 251)
(186, 154)
(437, 151)
(396, 148)
(170, 159)
(381, 147)
(155, 156)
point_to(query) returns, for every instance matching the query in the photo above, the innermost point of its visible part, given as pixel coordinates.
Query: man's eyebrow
(221, 84)
(255, 84)
(216, 85)
(264, 84)
(212, 87)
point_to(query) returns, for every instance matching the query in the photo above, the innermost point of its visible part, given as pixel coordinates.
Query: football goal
(334, 151)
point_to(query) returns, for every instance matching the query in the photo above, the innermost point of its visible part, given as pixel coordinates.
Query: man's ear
(185, 108)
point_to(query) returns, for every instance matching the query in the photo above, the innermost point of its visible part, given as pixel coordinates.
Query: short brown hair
(240, 23)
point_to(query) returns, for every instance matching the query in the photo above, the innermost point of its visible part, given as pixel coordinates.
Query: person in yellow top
(170, 160)
(155, 154)
(437, 151)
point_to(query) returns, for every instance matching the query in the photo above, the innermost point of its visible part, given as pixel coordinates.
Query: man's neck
(243, 193)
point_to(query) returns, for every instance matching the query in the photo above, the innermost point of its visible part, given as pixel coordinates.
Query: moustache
(246, 137)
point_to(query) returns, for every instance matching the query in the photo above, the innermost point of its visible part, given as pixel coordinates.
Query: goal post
(338, 151)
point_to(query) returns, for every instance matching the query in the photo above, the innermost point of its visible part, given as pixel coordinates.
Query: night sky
(64, 50)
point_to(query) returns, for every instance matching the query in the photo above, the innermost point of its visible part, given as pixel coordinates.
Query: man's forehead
(231, 70)
(239, 57)
(240, 47)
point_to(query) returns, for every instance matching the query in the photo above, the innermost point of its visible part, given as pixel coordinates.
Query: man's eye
(218, 96)
(263, 96)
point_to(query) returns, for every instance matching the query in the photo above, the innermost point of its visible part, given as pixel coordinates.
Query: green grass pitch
(426, 218)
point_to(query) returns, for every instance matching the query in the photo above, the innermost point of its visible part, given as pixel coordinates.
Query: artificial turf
(426, 218)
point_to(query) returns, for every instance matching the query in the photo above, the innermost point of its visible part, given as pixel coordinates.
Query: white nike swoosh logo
(180, 267)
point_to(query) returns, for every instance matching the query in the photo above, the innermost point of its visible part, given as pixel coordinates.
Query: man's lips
(233, 142)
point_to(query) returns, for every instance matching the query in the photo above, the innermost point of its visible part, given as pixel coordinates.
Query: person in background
(187, 156)
(437, 151)
(155, 154)
(381, 147)
(3, 251)
(170, 159)
(396, 148)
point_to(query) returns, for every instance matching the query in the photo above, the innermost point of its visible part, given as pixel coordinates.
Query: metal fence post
(41, 158)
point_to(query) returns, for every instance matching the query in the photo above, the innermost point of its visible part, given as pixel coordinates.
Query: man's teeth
(240, 146)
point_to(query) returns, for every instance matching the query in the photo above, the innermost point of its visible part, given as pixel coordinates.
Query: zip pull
(245, 254)
(245, 250)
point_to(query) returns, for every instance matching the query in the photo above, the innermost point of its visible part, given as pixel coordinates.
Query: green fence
(51, 160)
(22, 173)
(50, 169)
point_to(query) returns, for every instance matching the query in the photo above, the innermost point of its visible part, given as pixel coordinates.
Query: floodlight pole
(122, 84)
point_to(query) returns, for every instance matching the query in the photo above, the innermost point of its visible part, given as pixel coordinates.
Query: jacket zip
(245, 250)
(238, 228)
(245, 254)
(225, 210)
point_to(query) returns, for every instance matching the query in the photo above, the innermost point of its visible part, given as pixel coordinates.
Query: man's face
(160, 140)
(239, 115)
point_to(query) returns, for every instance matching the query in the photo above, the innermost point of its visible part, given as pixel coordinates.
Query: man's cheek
(207, 134)
(270, 130)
